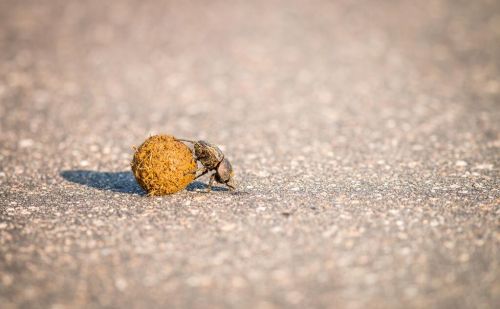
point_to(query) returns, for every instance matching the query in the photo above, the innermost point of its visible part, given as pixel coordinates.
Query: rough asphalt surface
(365, 136)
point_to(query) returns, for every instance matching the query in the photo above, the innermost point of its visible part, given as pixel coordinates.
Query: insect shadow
(202, 187)
(120, 182)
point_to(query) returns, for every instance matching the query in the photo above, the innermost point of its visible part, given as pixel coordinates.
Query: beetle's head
(225, 174)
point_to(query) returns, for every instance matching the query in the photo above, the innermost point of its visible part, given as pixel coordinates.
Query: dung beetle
(212, 159)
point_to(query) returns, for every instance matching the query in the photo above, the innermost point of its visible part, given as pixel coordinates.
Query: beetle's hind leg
(188, 141)
(185, 140)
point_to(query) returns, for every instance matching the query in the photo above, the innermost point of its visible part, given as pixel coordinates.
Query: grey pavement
(365, 136)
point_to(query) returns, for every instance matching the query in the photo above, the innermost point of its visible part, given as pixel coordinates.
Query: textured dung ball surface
(163, 165)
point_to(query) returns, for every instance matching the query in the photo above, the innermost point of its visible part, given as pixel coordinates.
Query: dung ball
(162, 165)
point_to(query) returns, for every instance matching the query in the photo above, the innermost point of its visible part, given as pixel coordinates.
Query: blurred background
(364, 134)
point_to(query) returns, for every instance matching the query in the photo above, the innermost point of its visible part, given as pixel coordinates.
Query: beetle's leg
(188, 141)
(205, 170)
(211, 182)
(202, 169)
(231, 187)
(185, 140)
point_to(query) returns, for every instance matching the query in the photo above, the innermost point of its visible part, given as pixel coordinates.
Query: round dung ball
(162, 165)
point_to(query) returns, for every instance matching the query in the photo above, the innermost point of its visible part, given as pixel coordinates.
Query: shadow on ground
(200, 186)
(121, 182)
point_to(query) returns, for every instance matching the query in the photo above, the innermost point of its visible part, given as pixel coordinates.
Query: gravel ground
(365, 136)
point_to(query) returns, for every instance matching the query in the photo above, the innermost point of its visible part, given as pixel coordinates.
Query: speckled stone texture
(365, 137)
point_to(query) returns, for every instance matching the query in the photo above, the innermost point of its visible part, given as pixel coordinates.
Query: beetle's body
(208, 154)
(212, 159)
